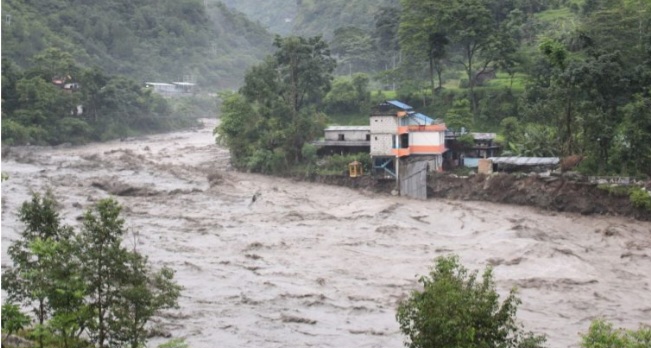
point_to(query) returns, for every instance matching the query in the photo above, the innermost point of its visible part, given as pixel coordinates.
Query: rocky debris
(121, 189)
(292, 319)
(215, 179)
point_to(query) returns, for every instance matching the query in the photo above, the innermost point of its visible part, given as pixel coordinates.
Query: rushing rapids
(310, 264)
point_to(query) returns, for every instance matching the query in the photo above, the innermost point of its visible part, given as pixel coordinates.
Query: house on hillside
(399, 134)
(171, 89)
(405, 146)
(344, 140)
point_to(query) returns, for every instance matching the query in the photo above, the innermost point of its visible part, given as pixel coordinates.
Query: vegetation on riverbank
(86, 287)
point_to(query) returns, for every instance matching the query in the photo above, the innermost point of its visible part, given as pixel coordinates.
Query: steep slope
(165, 40)
(311, 17)
(275, 15)
(323, 17)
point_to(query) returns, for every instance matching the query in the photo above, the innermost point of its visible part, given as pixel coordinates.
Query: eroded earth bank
(316, 265)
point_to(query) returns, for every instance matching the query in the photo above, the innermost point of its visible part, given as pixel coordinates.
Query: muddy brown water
(315, 265)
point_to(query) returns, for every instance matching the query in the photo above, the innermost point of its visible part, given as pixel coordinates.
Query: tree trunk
(568, 126)
(41, 320)
(439, 72)
(431, 76)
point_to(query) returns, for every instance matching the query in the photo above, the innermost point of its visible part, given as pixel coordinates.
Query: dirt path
(308, 264)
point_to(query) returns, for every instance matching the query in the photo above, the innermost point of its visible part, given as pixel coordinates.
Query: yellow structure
(355, 169)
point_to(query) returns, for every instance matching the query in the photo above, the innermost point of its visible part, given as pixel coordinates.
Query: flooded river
(313, 265)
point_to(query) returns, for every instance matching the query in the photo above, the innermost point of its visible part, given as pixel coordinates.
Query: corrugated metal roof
(345, 143)
(399, 104)
(426, 120)
(416, 119)
(348, 128)
(526, 161)
(483, 136)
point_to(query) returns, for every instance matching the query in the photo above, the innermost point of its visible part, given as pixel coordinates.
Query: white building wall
(383, 129)
(384, 124)
(381, 144)
(348, 135)
(425, 138)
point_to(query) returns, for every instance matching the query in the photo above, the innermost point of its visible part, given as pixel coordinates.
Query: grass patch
(390, 94)
(503, 80)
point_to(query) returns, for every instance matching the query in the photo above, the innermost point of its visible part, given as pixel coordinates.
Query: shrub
(456, 309)
(640, 198)
(601, 334)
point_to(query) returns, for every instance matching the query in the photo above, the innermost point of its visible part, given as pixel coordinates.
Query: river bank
(550, 193)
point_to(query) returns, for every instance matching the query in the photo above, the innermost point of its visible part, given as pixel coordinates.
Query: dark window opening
(368, 137)
(341, 137)
(404, 141)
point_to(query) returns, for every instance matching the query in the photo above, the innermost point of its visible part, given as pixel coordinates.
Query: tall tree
(31, 280)
(284, 93)
(476, 32)
(121, 289)
(423, 33)
(103, 262)
(142, 293)
(355, 49)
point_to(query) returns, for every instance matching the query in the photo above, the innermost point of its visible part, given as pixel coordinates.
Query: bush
(640, 198)
(309, 153)
(456, 309)
(602, 335)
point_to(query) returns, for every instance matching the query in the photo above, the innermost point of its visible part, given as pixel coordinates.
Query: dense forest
(553, 78)
(146, 40)
(309, 17)
(74, 71)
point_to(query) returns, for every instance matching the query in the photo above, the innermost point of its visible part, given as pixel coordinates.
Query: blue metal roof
(426, 120)
(399, 104)
(416, 119)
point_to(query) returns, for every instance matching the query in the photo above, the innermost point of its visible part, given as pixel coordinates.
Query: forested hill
(310, 17)
(275, 15)
(324, 17)
(148, 40)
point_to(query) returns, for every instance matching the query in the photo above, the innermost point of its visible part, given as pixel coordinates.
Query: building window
(368, 137)
(341, 137)
(375, 138)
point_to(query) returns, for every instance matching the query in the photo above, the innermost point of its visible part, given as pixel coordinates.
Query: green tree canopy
(276, 111)
(455, 308)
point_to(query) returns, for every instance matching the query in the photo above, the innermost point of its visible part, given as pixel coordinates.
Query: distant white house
(170, 89)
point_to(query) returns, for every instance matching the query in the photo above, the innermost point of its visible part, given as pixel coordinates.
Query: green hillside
(277, 16)
(311, 17)
(148, 40)
(324, 17)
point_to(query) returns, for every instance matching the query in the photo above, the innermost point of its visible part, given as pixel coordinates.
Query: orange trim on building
(420, 150)
(430, 128)
(436, 149)
(401, 152)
